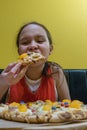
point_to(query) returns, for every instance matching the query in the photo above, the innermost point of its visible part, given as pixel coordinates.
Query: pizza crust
(78, 114)
(61, 116)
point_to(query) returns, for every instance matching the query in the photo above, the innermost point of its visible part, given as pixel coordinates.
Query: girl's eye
(25, 43)
(40, 41)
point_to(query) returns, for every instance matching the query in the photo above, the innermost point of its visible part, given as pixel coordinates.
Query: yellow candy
(55, 104)
(30, 103)
(15, 104)
(22, 108)
(49, 102)
(47, 107)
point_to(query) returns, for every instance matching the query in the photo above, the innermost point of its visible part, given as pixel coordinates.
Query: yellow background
(66, 20)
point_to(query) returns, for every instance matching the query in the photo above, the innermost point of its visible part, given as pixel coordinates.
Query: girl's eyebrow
(26, 38)
(40, 36)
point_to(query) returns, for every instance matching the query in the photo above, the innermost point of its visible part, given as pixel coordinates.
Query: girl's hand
(13, 73)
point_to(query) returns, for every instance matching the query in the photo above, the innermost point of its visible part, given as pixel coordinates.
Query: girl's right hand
(12, 74)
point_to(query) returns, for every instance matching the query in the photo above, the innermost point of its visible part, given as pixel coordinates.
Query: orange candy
(23, 55)
(76, 104)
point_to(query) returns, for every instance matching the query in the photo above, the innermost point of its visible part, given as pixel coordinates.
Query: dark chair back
(1, 70)
(77, 81)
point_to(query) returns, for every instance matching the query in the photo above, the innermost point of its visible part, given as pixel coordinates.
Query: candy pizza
(44, 111)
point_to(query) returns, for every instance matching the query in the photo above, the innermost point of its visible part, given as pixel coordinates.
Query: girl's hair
(36, 23)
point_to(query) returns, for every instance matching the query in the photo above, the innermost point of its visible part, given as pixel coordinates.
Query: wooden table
(10, 125)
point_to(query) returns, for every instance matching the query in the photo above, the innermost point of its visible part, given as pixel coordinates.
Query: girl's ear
(51, 49)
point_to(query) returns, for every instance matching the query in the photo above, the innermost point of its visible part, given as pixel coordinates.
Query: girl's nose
(32, 46)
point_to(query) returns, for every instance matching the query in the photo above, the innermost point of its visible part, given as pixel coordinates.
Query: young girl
(40, 81)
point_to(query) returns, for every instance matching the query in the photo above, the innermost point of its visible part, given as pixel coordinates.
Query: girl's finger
(16, 68)
(9, 67)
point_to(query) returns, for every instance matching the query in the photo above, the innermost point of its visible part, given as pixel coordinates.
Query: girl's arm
(61, 85)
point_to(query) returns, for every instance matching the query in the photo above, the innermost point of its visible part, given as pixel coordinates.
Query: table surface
(10, 125)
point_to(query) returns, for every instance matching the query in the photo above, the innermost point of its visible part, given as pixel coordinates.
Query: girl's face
(33, 38)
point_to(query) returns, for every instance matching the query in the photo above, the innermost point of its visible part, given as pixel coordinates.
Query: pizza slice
(31, 58)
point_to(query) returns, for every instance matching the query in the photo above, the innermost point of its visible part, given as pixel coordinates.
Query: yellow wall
(66, 19)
